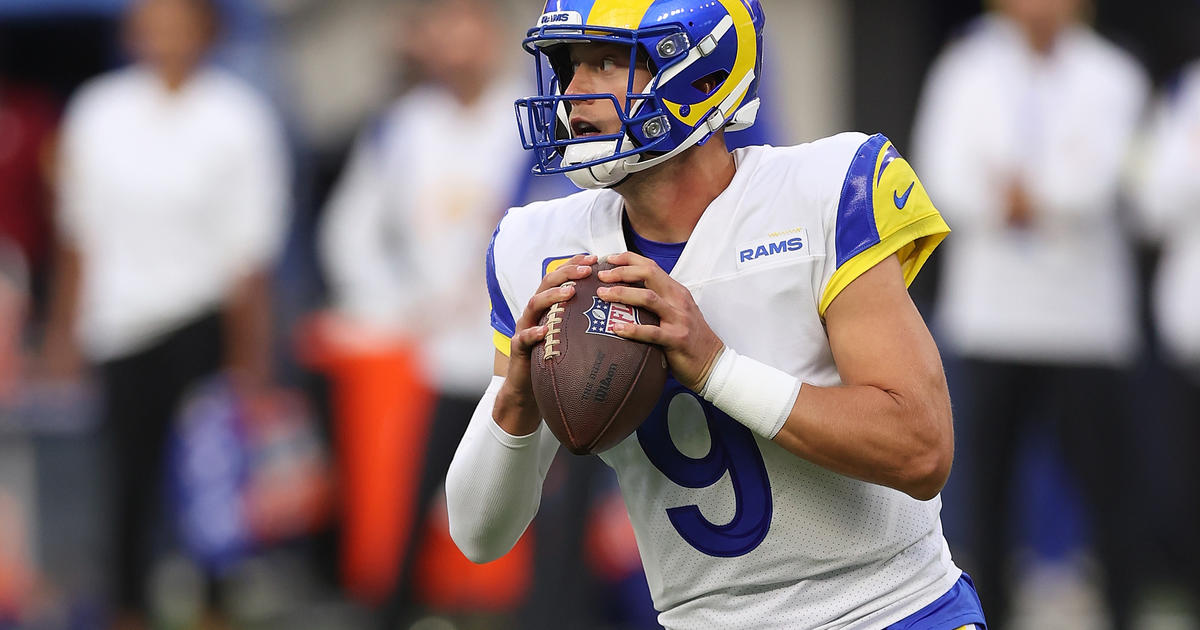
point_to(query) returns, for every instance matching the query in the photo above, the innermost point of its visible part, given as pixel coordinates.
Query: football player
(790, 475)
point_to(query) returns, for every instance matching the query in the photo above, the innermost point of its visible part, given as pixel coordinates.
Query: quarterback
(789, 476)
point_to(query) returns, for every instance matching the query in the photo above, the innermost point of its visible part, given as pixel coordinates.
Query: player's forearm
(514, 414)
(899, 435)
(494, 485)
(902, 441)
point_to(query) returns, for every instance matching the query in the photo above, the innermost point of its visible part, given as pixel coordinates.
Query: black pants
(451, 415)
(561, 586)
(1086, 408)
(1181, 480)
(142, 392)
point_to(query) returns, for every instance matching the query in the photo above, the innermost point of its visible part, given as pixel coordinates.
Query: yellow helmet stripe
(619, 13)
(743, 64)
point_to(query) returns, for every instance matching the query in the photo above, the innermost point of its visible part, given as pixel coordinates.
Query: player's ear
(708, 84)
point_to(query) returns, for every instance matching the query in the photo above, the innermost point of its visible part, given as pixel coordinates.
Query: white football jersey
(734, 531)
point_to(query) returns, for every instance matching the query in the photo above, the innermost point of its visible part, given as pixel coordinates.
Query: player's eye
(608, 64)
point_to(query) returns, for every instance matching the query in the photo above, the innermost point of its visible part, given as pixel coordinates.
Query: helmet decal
(743, 65)
(627, 14)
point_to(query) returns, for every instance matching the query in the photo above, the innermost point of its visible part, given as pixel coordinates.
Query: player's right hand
(516, 409)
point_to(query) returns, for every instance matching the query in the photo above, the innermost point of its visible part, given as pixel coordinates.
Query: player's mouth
(583, 129)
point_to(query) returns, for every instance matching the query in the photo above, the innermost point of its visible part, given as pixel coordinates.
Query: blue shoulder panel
(856, 229)
(502, 319)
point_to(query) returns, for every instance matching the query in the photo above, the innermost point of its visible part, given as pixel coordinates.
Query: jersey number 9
(732, 450)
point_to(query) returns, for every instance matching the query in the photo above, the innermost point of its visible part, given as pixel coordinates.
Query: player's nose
(580, 84)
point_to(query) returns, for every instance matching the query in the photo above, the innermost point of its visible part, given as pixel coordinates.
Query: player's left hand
(690, 345)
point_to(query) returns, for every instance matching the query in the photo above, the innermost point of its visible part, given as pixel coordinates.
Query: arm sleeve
(494, 485)
(883, 210)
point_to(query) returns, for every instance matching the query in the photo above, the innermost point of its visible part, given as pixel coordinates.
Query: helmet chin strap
(603, 175)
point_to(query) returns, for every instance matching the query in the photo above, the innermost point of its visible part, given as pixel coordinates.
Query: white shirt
(170, 198)
(403, 233)
(994, 112)
(753, 536)
(1169, 196)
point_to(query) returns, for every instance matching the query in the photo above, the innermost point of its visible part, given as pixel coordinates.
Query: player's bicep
(879, 339)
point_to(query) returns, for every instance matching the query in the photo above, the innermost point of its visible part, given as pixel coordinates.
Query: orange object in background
(17, 575)
(381, 413)
(382, 407)
(446, 580)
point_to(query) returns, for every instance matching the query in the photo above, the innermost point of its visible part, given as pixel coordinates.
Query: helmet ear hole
(709, 83)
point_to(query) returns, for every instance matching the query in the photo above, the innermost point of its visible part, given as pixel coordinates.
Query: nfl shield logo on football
(603, 315)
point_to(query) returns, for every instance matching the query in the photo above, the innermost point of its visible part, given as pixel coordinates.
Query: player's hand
(690, 345)
(517, 392)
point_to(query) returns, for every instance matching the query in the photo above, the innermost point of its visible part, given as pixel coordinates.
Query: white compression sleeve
(756, 395)
(494, 485)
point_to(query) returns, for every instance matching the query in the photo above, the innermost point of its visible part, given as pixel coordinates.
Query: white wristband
(756, 395)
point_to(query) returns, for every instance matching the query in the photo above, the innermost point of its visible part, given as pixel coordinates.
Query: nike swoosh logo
(902, 200)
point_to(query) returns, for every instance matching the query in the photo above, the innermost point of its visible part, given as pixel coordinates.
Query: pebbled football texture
(594, 388)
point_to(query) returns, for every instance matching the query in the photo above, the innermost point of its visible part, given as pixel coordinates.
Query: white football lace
(553, 319)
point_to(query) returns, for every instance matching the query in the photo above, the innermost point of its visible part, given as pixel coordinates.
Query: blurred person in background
(1022, 134)
(422, 191)
(172, 199)
(27, 126)
(1169, 198)
(28, 123)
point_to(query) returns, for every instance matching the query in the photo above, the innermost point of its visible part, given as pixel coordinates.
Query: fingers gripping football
(516, 408)
(549, 293)
(690, 345)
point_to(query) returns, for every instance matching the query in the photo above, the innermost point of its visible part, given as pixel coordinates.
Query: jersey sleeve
(503, 324)
(883, 210)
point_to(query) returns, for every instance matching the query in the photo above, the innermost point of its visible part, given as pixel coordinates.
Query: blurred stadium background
(290, 501)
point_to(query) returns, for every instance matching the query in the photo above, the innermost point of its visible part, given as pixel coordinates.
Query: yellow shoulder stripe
(914, 242)
(502, 342)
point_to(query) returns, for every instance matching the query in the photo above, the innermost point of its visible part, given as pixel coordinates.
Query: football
(593, 387)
